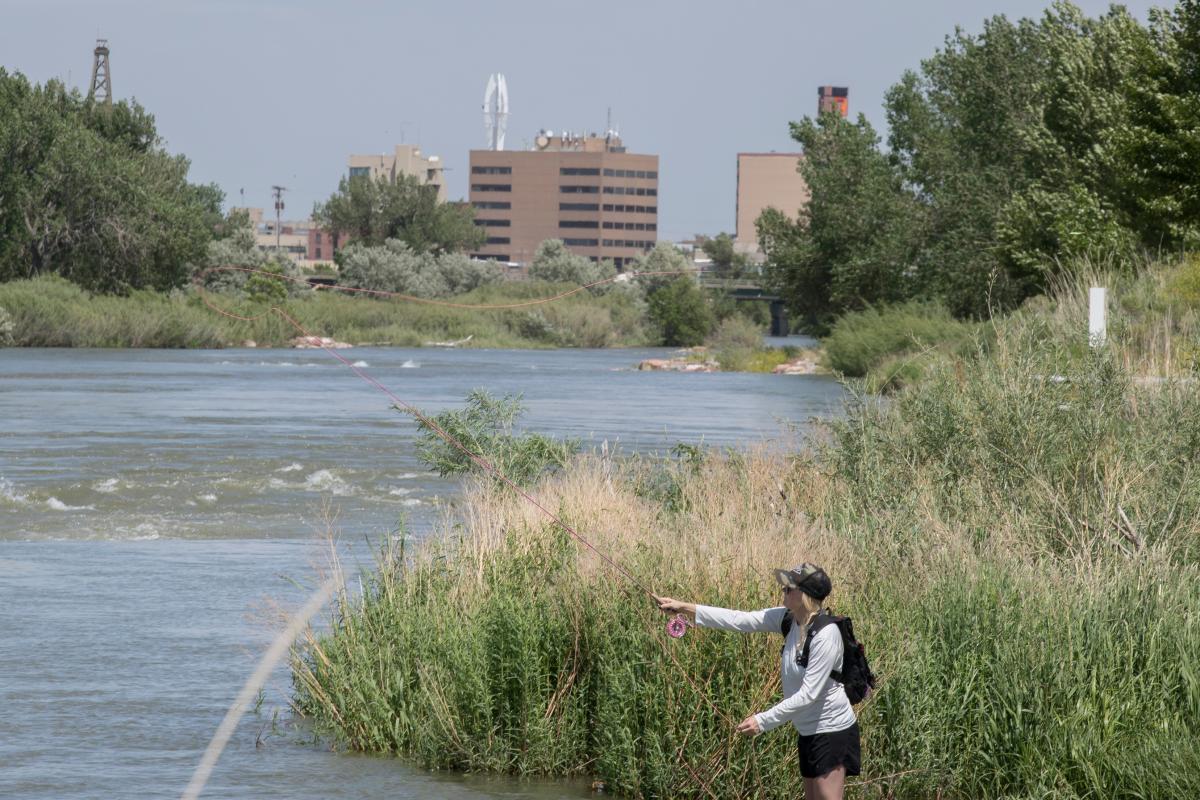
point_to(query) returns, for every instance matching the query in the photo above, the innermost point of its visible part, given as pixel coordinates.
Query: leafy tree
(553, 262)
(396, 267)
(236, 247)
(371, 211)
(1011, 152)
(666, 262)
(681, 312)
(726, 261)
(461, 273)
(91, 195)
(857, 241)
(1161, 140)
(263, 287)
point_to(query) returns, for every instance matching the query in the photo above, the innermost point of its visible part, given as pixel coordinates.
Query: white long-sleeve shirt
(812, 701)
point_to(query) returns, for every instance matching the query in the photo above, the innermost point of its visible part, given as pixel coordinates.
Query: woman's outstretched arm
(766, 620)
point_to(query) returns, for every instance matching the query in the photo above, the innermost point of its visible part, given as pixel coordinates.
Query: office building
(406, 160)
(586, 190)
(766, 180)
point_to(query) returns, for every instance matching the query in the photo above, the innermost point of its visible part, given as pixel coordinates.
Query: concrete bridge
(749, 291)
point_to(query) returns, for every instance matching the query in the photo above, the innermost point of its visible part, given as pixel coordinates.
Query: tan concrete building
(307, 245)
(766, 180)
(407, 160)
(601, 201)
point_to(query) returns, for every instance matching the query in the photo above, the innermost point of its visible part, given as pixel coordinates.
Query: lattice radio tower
(101, 91)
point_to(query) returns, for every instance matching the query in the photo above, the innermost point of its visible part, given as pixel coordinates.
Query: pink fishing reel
(677, 626)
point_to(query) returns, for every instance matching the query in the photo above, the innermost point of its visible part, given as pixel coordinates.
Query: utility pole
(278, 191)
(101, 89)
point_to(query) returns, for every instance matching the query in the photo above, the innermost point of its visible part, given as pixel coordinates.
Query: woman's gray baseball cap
(808, 578)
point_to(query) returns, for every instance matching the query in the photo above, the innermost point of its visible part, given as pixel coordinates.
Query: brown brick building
(601, 201)
(766, 180)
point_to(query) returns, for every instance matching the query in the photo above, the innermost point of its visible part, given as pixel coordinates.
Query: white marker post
(1097, 323)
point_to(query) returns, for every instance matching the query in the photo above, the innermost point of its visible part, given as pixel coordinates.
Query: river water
(157, 507)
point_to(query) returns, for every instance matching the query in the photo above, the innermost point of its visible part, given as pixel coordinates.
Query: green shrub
(1183, 287)
(485, 428)
(862, 339)
(681, 312)
(735, 342)
(554, 263)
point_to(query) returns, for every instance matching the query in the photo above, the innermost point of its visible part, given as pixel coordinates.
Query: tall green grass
(860, 340)
(51, 312)
(1016, 536)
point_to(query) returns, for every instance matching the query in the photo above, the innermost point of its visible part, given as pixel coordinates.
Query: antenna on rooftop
(495, 111)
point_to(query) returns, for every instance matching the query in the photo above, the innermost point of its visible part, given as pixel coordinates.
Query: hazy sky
(263, 92)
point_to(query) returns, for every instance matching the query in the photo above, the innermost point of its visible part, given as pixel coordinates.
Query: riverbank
(1019, 554)
(1153, 327)
(51, 312)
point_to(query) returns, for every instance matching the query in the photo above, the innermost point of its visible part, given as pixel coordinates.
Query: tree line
(90, 194)
(1010, 152)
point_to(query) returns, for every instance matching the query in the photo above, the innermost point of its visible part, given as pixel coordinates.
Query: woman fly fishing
(814, 699)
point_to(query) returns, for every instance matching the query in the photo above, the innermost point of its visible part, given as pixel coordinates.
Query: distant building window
(491, 187)
(626, 209)
(498, 240)
(491, 170)
(630, 173)
(630, 190)
(578, 223)
(579, 189)
(579, 207)
(494, 223)
(489, 257)
(630, 226)
(360, 172)
(578, 170)
(582, 242)
(318, 253)
(496, 204)
(635, 243)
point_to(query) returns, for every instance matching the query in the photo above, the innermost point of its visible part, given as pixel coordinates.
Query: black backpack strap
(823, 618)
(785, 624)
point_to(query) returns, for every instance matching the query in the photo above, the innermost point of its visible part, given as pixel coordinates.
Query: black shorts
(824, 752)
